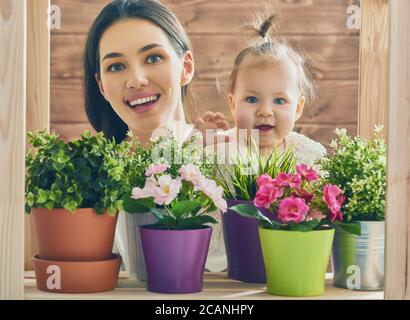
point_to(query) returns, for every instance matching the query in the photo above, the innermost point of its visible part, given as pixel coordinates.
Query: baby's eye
(154, 58)
(116, 67)
(251, 100)
(280, 101)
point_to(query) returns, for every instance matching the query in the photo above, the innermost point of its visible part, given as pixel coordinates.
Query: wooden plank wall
(397, 282)
(12, 143)
(319, 26)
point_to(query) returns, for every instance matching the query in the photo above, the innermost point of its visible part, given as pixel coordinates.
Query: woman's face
(141, 75)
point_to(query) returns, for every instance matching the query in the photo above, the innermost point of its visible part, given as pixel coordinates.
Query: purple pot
(175, 259)
(242, 245)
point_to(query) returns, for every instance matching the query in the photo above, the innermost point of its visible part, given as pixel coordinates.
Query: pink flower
(164, 190)
(309, 174)
(289, 180)
(263, 179)
(167, 190)
(147, 192)
(191, 173)
(213, 191)
(156, 169)
(307, 196)
(292, 210)
(315, 214)
(333, 202)
(267, 194)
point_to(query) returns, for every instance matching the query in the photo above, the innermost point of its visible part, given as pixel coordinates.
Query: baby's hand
(215, 122)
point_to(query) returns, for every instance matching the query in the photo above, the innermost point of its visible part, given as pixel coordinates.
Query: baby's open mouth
(143, 101)
(264, 127)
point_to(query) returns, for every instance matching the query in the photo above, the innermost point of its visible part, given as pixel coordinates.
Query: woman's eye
(116, 67)
(280, 101)
(251, 100)
(154, 59)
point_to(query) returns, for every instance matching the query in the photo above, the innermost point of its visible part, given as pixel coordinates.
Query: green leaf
(350, 227)
(136, 206)
(195, 222)
(167, 221)
(42, 197)
(304, 225)
(58, 166)
(30, 199)
(71, 206)
(49, 205)
(249, 211)
(181, 208)
(158, 213)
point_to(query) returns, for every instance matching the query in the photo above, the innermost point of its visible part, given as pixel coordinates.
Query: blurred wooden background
(319, 26)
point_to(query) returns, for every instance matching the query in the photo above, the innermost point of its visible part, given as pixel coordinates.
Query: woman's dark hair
(99, 112)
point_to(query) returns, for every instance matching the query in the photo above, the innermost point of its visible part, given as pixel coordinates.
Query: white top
(306, 151)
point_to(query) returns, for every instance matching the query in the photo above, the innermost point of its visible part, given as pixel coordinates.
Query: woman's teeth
(139, 102)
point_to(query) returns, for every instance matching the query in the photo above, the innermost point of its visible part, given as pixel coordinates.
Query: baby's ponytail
(263, 24)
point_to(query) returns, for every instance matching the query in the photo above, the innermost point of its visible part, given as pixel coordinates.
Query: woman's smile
(145, 104)
(142, 103)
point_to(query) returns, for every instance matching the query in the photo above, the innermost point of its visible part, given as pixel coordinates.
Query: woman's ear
(300, 107)
(100, 85)
(188, 68)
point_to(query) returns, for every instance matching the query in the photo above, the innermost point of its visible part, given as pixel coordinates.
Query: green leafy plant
(239, 179)
(358, 166)
(85, 173)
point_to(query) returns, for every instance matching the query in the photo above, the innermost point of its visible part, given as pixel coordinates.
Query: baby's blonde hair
(274, 48)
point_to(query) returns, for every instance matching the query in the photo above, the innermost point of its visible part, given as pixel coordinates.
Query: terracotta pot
(77, 277)
(79, 236)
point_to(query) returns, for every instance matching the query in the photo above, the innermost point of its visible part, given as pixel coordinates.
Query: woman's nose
(265, 110)
(137, 79)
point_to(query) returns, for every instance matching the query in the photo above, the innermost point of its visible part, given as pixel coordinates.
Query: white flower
(166, 190)
(214, 192)
(191, 173)
(147, 192)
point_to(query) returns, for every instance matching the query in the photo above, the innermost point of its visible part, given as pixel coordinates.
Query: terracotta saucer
(77, 277)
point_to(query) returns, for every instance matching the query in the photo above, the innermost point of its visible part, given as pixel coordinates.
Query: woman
(138, 64)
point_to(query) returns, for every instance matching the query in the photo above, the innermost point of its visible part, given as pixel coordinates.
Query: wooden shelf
(217, 286)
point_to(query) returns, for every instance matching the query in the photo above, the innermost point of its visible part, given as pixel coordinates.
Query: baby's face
(266, 97)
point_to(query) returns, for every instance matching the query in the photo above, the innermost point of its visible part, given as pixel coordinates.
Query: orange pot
(77, 277)
(80, 236)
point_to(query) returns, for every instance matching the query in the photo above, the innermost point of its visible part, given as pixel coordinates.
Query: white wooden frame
(385, 72)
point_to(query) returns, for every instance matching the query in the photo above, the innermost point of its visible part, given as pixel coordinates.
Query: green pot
(296, 262)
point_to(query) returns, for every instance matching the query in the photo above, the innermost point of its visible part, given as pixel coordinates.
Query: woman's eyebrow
(112, 55)
(143, 49)
(149, 47)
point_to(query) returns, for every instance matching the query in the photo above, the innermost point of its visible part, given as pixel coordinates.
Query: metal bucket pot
(358, 261)
(128, 243)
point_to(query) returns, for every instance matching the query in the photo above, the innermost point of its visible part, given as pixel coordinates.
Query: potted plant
(176, 246)
(358, 166)
(241, 236)
(74, 192)
(160, 149)
(296, 244)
